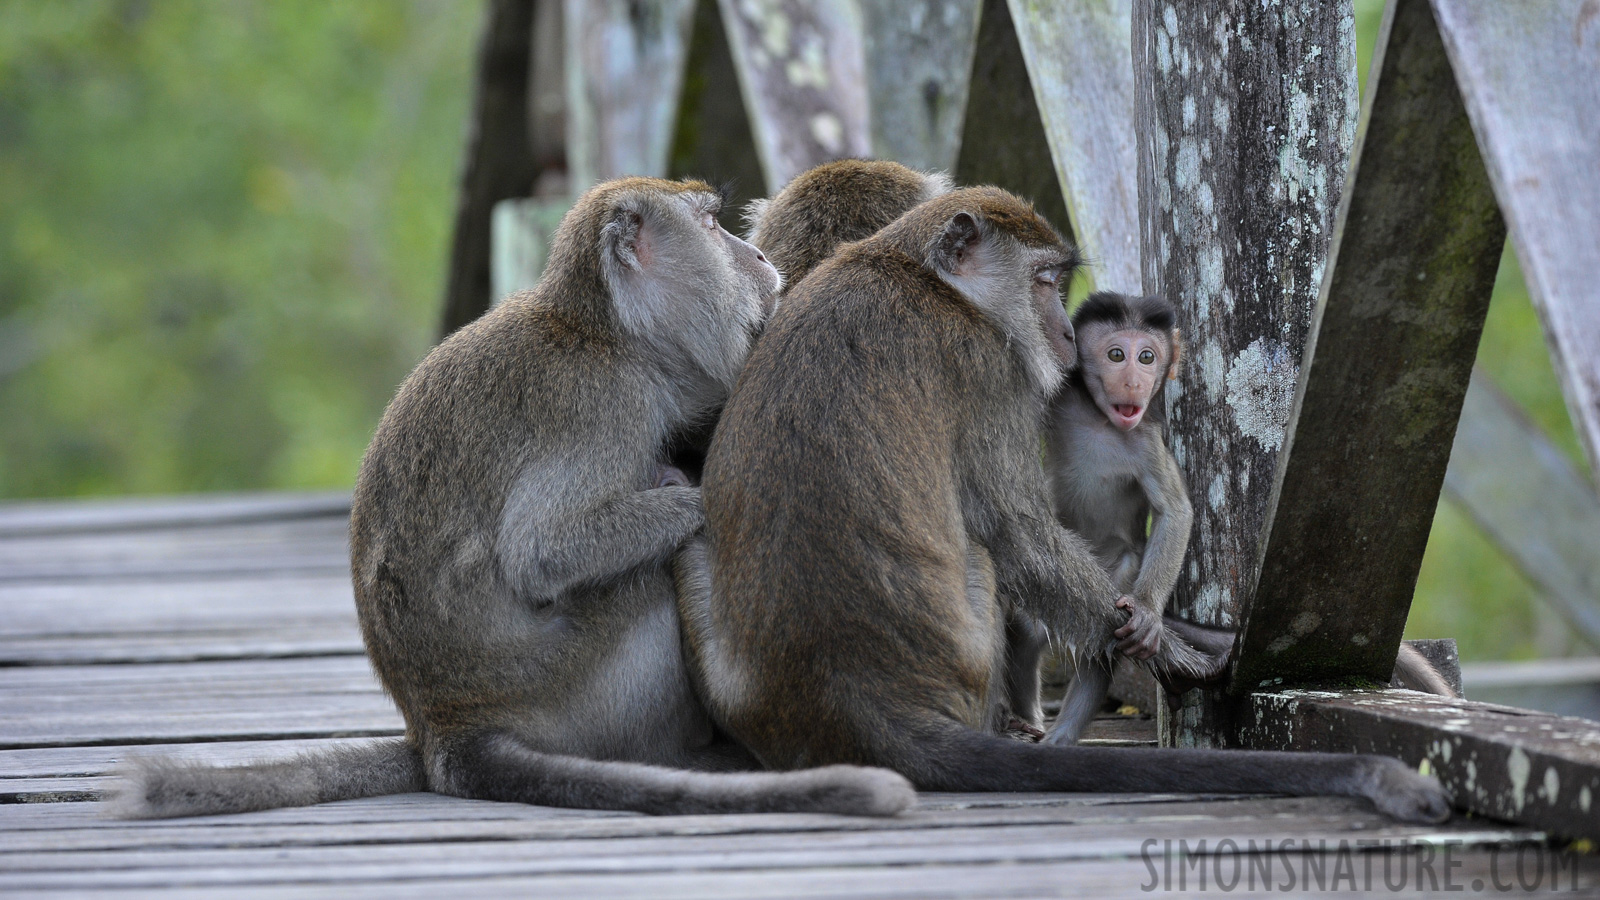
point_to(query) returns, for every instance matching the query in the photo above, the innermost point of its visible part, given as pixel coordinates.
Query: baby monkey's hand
(1141, 637)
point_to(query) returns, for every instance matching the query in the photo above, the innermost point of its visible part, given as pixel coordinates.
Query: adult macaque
(510, 534)
(1111, 473)
(833, 204)
(873, 489)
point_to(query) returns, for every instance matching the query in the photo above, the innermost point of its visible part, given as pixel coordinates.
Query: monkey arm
(550, 541)
(1054, 576)
(1171, 517)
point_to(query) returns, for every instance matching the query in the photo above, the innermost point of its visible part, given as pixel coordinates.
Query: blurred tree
(222, 234)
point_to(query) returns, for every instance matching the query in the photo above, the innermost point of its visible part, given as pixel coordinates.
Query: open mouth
(1127, 410)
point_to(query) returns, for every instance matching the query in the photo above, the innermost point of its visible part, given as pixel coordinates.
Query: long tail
(161, 788)
(1416, 672)
(502, 767)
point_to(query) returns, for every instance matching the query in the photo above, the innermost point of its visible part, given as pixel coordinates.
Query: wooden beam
(1530, 501)
(499, 161)
(919, 62)
(1246, 114)
(1530, 74)
(1003, 142)
(625, 64)
(803, 76)
(1080, 66)
(713, 140)
(1527, 767)
(1416, 248)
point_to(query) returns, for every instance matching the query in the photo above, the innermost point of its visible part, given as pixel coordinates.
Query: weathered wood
(269, 547)
(1079, 64)
(1416, 247)
(919, 61)
(1530, 501)
(56, 706)
(1533, 768)
(217, 863)
(1246, 113)
(522, 230)
(713, 140)
(803, 76)
(44, 517)
(625, 63)
(499, 161)
(1004, 141)
(1530, 75)
(1442, 654)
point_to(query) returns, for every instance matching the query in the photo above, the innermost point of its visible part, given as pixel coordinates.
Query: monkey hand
(1141, 637)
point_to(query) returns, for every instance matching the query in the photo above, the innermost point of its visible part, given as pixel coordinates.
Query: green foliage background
(223, 227)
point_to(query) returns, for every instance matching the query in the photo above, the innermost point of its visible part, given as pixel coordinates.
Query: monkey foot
(1016, 729)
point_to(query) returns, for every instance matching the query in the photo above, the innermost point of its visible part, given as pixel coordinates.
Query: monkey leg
(1025, 644)
(951, 757)
(1091, 680)
(501, 766)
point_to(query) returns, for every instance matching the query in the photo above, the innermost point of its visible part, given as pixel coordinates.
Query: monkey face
(1122, 369)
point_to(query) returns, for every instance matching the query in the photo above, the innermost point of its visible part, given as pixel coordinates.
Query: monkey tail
(503, 767)
(1416, 672)
(162, 788)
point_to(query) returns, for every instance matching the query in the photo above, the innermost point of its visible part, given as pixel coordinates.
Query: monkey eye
(709, 221)
(1048, 276)
(1147, 356)
(1115, 355)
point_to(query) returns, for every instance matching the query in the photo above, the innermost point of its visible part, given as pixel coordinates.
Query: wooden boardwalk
(223, 628)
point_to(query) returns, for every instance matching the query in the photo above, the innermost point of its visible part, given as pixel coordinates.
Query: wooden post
(1530, 76)
(625, 65)
(499, 163)
(1003, 142)
(803, 76)
(1246, 114)
(713, 139)
(1417, 244)
(919, 60)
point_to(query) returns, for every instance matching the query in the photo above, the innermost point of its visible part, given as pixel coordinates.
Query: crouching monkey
(510, 535)
(875, 484)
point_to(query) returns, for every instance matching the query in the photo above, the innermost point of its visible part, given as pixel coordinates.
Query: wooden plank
(46, 517)
(625, 64)
(1525, 495)
(1415, 869)
(1000, 102)
(1246, 113)
(1397, 325)
(919, 62)
(713, 139)
(219, 864)
(53, 706)
(282, 546)
(1533, 768)
(1536, 112)
(1079, 63)
(803, 77)
(120, 620)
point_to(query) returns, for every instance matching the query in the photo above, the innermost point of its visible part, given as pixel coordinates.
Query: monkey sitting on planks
(875, 487)
(510, 535)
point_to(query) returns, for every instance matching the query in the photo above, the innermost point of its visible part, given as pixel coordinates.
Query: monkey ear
(1177, 354)
(953, 248)
(623, 238)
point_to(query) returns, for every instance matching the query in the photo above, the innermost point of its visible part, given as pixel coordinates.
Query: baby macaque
(1112, 474)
